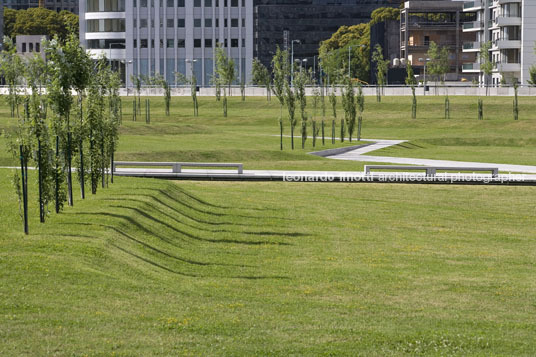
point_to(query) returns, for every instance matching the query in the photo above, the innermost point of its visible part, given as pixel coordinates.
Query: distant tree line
(40, 21)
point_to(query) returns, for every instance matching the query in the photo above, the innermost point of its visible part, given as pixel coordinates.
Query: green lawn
(152, 267)
(250, 133)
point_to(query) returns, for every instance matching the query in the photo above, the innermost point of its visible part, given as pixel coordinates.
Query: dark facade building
(56, 5)
(279, 22)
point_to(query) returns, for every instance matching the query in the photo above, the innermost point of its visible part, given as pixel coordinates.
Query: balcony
(471, 46)
(472, 5)
(472, 26)
(503, 21)
(471, 67)
(507, 67)
(502, 2)
(507, 44)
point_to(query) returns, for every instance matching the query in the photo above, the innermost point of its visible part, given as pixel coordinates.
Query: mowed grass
(150, 267)
(250, 133)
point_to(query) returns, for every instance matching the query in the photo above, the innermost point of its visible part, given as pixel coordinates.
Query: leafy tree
(486, 64)
(40, 21)
(349, 106)
(159, 80)
(192, 81)
(36, 76)
(411, 81)
(439, 62)
(12, 69)
(384, 14)
(261, 77)
(532, 75)
(81, 68)
(301, 80)
(137, 81)
(280, 67)
(60, 98)
(290, 99)
(361, 106)
(381, 70)
(333, 53)
(226, 74)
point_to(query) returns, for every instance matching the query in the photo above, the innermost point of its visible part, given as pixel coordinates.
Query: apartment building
(510, 27)
(424, 22)
(145, 37)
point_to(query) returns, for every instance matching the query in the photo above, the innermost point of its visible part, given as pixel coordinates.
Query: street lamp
(126, 63)
(292, 62)
(350, 57)
(191, 61)
(425, 60)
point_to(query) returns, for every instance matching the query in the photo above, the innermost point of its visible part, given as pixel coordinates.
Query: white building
(510, 26)
(145, 37)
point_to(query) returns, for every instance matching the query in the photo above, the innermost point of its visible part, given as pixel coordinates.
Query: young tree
(486, 64)
(290, 99)
(159, 80)
(137, 80)
(12, 69)
(301, 79)
(192, 81)
(439, 62)
(516, 104)
(261, 77)
(36, 77)
(349, 106)
(411, 81)
(333, 102)
(280, 67)
(82, 68)
(381, 70)
(60, 98)
(361, 106)
(226, 74)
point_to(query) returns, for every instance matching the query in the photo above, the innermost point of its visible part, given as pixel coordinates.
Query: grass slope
(151, 267)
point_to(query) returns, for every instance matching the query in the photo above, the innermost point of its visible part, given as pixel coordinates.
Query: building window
(197, 43)
(234, 22)
(143, 43)
(208, 43)
(197, 22)
(170, 22)
(143, 23)
(170, 3)
(197, 3)
(243, 22)
(38, 47)
(180, 22)
(234, 3)
(208, 3)
(181, 43)
(180, 3)
(170, 43)
(24, 47)
(234, 42)
(208, 22)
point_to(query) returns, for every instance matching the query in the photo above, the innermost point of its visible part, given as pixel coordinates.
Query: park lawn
(149, 267)
(250, 133)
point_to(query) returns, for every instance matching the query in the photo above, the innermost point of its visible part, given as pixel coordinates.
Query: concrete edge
(338, 151)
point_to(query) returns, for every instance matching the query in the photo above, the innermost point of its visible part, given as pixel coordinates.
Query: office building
(56, 5)
(145, 37)
(307, 23)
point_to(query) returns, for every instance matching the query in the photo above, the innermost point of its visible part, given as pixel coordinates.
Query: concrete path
(358, 155)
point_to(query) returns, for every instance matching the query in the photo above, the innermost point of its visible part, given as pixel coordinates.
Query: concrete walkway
(359, 155)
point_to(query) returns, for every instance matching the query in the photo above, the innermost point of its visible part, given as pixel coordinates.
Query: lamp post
(292, 62)
(425, 60)
(126, 63)
(191, 61)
